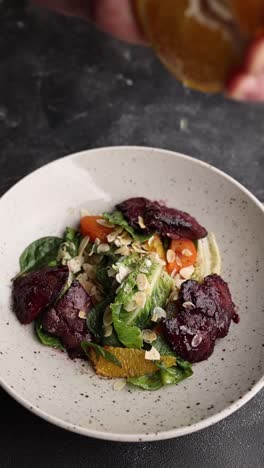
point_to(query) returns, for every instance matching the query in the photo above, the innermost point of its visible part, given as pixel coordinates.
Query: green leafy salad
(105, 290)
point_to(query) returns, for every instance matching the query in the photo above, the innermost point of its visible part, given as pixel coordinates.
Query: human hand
(115, 17)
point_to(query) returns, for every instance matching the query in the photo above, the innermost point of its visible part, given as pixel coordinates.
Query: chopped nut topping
(149, 336)
(158, 313)
(105, 223)
(170, 256)
(187, 272)
(130, 306)
(152, 355)
(124, 250)
(142, 282)
(103, 248)
(141, 222)
(82, 314)
(83, 245)
(140, 299)
(107, 318)
(186, 252)
(108, 330)
(188, 305)
(178, 281)
(119, 384)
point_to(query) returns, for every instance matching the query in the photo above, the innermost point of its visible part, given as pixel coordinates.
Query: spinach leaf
(163, 347)
(112, 340)
(69, 246)
(147, 382)
(95, 324)
(95, 318)
(40, 253)
(166, 243)
(165, 376)
(108, 260)
(118, 219)
(46, 338)
(173, 375)
(99, 351)
(185, 365)
(103, 278)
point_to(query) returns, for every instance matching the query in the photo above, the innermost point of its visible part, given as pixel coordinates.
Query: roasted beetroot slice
(213, 299)
(191, 335)
(33, 292)
(63, 321)
(202, 313)
(158, 218)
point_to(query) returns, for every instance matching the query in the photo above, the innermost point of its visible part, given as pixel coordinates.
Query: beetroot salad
(137, 292)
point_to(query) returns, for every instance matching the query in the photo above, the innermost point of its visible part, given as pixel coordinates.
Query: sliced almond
(157, 314)
(113, 235)
(123, 272)
(103, 248)
(82, 314)
(151, 240)
(173, 273)
(178, 281)
(187, 272)
(107, 318)
(83, 245)
(119, 385)
(97, 241)
(105, 223)
(141, 222)
(170, 256)
(75, 264)
(137, 247)
(130, 306)
(140, 299)
(89, 270)
(70, 278)
(174, 296)
(117, 242)
(108, 330)
(124, 250)
(142, 282)
(149, 336)
(111, 272)
(186, 252)
(125, 238)
(152, 355)
(178, 261)
(188, 305)
(197, 339)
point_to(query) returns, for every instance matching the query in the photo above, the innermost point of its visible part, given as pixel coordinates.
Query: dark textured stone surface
(63, 88)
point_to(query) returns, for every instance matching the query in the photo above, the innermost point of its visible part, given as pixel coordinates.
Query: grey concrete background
(65, 87)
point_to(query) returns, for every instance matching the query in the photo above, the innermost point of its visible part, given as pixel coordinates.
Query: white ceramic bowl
(68, 393)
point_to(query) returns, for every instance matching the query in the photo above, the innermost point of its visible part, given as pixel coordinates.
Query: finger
(116, 17)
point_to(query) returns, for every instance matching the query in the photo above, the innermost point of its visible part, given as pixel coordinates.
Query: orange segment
(133, 363)
(197, 48)
(186, 254)
(92, 228)
(155, 245)
(249, 15)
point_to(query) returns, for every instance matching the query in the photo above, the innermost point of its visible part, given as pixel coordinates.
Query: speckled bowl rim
(118, 437)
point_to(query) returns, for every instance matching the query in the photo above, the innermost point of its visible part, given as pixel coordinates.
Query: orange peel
(201, 41)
